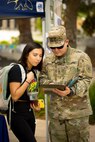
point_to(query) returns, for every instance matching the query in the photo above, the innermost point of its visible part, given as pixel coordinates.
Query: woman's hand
(30, 76)
(35, 105)
(62, 93)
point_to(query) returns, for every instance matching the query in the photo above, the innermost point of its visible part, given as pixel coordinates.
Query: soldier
(69, 109)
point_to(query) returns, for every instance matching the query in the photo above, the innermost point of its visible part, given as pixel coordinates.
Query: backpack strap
(23, 73)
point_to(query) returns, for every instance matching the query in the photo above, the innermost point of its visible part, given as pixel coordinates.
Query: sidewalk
(41, 132)
(92, 133)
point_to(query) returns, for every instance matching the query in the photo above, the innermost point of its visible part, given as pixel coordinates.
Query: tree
(24, 27)
(89, 23)
(88, 9)
(70, 19)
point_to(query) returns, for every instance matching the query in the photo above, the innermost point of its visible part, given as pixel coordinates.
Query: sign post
(57, 12)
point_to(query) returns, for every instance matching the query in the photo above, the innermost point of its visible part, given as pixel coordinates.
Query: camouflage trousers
(73, 130)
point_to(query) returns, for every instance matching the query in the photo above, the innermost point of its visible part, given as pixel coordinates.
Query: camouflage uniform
(69, 115)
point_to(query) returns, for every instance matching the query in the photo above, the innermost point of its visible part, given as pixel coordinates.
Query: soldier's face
(60, 51)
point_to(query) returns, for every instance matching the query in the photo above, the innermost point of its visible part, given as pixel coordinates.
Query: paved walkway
(41, 132)
(92, 133)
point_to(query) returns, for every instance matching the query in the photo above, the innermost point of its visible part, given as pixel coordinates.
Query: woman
(22, 116)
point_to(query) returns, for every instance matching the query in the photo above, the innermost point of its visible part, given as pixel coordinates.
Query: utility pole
(57, 12)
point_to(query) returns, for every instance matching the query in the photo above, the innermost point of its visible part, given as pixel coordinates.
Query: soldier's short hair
(56, 36)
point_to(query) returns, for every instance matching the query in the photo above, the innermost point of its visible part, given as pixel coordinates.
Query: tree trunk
(24, 27)
(70, 20)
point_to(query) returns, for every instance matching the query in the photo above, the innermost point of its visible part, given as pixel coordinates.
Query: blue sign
(22, 8)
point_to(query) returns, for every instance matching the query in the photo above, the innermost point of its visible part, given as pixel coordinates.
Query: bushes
(40, 114)
(92, 100)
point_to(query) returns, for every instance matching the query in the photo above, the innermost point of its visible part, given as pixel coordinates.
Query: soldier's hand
(62, 93)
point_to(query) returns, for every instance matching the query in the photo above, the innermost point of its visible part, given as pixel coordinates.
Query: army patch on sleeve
(88, 70)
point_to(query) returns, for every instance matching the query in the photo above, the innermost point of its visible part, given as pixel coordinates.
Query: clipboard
(48, 87)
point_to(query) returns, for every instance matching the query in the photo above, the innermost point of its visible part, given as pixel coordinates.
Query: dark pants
(23, 126)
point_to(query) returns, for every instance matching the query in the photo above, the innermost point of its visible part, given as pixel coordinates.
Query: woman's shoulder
(15, 70)
(15, 67)
(15, 73)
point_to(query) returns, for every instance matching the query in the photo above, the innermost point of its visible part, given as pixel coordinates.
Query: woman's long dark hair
(28, 48)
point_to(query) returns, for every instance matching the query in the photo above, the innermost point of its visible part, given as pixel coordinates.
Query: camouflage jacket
(61, 70)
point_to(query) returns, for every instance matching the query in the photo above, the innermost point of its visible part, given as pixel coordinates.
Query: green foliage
(40, 114)
(38, 24)
(88, 10)
(40, 42)
(82, 15)
(41, 93)
(15, 40)
(92, 119)
(89, 25)
(83, 8)
(92, 95)
(92, 100)
(4, 42)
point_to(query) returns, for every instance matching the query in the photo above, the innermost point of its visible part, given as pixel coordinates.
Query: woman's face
(34, 57)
